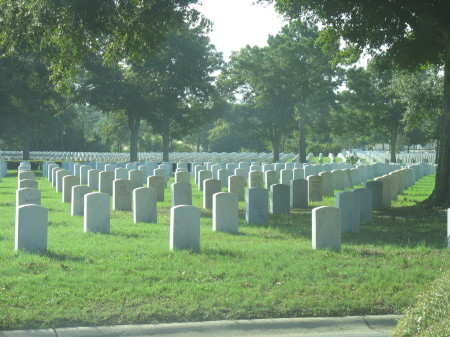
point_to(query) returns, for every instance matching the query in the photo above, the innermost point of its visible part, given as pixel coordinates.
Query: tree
(369, 104)
(289, 80)
(410, 33)
(67, 31)
(177, 82)
(30, 100)
(111, 89)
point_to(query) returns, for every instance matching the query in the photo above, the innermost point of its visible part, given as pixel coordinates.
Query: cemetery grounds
(130, 276)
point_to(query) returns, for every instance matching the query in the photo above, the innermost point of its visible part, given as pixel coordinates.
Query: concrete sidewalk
(361, 326)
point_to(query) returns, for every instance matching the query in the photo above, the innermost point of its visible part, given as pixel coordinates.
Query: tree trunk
(133, 124)
(166, 141)
(393, 145)
(26, 141)
(276, 148)
(302, 140)
(441, 194)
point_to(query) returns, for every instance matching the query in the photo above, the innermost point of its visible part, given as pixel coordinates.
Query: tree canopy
(408, 33)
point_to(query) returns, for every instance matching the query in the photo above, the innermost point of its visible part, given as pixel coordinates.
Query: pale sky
(238, 23)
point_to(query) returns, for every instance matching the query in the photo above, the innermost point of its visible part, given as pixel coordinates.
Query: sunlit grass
(130, 276)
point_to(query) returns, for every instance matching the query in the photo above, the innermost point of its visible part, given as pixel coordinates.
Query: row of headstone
(31, 223)
(356, 206)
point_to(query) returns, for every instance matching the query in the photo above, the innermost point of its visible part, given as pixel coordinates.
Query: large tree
(370, 104)
(290, 80)
(411, 33)
(177, 82)
(66, 31)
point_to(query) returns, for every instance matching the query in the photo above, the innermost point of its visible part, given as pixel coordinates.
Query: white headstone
(69, 182)
(210, 187)
(122, 195)
(181, 194)
(185, 228)
(93, 179)
(77, 205)
(157, 182)
(28, 183)
(236, 184)
(28, 195)
(97, 213)
(257, 206)
(225, 212)
(105, 184)
(144, 205)
(326, 228)
(136, 177)
(279, 199)
(31, 228)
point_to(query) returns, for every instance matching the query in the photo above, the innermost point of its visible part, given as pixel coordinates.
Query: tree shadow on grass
(405, 227)
(61, 256)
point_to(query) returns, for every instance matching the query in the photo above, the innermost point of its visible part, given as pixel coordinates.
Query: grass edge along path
(131, 277)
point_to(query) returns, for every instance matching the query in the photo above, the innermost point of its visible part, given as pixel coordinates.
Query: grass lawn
(130, 276)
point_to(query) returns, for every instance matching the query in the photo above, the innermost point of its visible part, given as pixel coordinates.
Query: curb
(351, 325)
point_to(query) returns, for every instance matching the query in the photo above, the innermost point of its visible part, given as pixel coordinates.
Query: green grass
(130, 276)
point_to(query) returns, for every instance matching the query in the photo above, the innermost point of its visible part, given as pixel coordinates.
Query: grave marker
(97, 213)
(185, 228)
(144, 205)
(31, 228)
(225, 216)
(326, 228)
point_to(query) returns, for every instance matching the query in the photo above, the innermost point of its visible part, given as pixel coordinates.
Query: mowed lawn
(130, 276)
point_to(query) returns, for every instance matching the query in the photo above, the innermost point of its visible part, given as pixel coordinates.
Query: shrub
(430, 316)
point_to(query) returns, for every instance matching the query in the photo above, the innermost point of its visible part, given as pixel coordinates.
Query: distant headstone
(181, 194)
(210, 187)
(105, 184)
(136, 177)
(30, 183)
(286, 176)
(225, 212)
(60, 174)
(77, 205)
(185, 228)
(31, 228)
(158, 183)
(93, 179)
(144, 205)
(202, 176)
(365, 198)
(97, 213)
(183, 177)
(327, 183)
(25, 175)
(326, 228)
(377, 193)
(298, 173)
(299, 193)
(236, 184)
(69, 182)
(256, 179)
(349, 204)
(257, 206)
(271, 177)
(279, 199)
(386, 191)
(223, 175)
(122, 198)
(28, 195)
(314, 188)
(121, 173)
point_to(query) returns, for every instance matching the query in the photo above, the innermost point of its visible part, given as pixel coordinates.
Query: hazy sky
(238, 23)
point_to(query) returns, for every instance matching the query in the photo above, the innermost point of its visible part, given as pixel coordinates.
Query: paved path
(361, 326)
